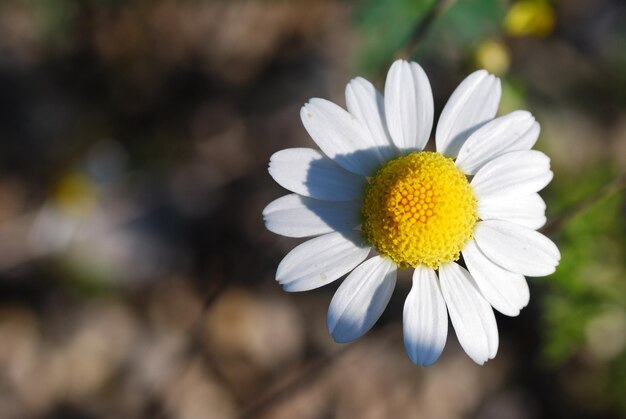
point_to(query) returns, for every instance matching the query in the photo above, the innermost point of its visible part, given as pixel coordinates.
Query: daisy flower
(463, 217)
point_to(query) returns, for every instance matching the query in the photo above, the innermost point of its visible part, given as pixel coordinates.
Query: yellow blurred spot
(75, 193)
(493, 56)
(530, 17)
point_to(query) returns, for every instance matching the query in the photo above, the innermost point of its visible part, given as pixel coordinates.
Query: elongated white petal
(297, 216)
(528, 211)
(308, 172)
(514, 174)
(471, 315)
(425, 318)
(361, 299)
(408, 105)
(472, 104)
(516, 248)
(367, 105)
(512, 132)
(506, 291)
(321, 260)
(341, 137)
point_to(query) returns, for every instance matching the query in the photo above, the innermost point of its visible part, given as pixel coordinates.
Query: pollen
(419, 209)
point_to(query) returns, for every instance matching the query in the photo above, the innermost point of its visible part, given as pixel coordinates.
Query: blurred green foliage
(463, 25)
(386, 26)
(587, 298)
(54, 19)
(591, 275)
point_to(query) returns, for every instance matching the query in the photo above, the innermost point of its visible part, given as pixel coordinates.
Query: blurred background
(136, 276)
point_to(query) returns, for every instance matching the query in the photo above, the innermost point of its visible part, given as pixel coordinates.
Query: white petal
(514, 174)
(367, 105)
(308, 172)
(516, 248)
(297, 216)
(528, 211)
(341, 137)
(471, 316)
(506, 291)
(472, 104)
(321, 260)
(512, 132)
(425, 318)
(361, 299)
(408, 105)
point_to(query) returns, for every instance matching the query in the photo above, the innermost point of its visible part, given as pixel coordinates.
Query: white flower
(372, 187)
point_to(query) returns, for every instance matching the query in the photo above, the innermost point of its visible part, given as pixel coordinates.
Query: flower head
(464, 218)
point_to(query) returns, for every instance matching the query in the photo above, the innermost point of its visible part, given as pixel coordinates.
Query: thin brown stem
(555, 225)
(418, 34)
(422, 28)
(312, 370)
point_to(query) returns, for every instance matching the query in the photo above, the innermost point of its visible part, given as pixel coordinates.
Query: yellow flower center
(419, 209)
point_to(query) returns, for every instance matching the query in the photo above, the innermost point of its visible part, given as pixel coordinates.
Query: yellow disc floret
(419, 209)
